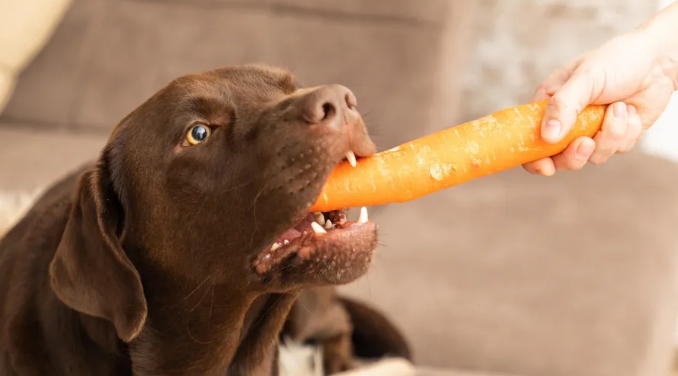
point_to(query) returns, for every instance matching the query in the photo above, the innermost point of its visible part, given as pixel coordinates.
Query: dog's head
(214, 176)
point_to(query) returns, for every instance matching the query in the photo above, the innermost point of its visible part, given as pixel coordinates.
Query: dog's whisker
(209, 318)
(238, 186)
(254, 215)
(188, 331)
(193, 292)
(203, 297)
(302, 304)
(270, 308)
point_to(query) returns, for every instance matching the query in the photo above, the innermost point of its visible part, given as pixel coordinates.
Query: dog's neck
(206, 328)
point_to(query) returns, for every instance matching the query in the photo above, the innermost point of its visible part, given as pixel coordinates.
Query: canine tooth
(363, 215)
(351, 158)
(275, 246)
(320, 218)
(318, 229)
(328, 224)
(286, 242)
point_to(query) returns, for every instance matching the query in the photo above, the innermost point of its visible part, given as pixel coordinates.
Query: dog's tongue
(289, 235)
(294, 232)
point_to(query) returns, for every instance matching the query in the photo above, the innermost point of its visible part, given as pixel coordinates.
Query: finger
(576, 155)
(633, 131)
(556, 79)
(541, 94)
(551, 84)
(612, 133)
(542, 167)
(564, 106)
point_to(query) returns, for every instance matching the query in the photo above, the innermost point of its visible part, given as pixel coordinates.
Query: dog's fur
(157, 259)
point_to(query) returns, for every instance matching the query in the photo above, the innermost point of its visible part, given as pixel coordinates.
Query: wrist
(662, 51)
(658, 34)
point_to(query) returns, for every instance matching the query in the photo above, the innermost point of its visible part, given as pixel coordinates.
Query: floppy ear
(374, 335)
(90, 271)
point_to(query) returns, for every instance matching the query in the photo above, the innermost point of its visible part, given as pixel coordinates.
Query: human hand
(627, 72)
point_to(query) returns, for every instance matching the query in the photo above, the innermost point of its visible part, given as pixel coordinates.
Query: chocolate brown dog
(183, 249)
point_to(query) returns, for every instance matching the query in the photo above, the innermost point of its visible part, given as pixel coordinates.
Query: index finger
(565, 105)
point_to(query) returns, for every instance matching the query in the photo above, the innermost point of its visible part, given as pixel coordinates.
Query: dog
(188, 248)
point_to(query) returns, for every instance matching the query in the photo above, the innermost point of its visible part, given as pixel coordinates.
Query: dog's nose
(331, 105)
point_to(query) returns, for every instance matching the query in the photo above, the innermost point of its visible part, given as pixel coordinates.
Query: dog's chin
(321, 249)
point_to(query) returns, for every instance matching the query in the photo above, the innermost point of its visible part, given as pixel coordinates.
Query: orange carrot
(503, 140)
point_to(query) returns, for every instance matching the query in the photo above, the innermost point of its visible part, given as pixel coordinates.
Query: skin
(636, 73)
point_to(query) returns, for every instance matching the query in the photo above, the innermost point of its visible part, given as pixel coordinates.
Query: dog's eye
(198, 134)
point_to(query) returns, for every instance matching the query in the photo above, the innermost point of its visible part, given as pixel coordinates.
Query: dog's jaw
(322, 249)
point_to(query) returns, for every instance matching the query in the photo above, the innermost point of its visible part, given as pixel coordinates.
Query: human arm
(636, 72)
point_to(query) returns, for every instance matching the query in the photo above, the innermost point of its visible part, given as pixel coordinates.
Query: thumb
(564, 107)
(669, 67)
(651, 102)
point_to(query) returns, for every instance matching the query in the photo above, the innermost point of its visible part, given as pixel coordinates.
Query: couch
(25, 28)
(509, 275)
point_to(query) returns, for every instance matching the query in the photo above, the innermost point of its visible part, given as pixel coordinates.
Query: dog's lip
(318, 246)
(316, 240)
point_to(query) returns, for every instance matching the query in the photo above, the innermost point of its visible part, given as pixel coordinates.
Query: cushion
(97, 75)
(25, 27)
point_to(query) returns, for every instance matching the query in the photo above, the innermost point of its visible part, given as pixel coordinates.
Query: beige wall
(518, 43)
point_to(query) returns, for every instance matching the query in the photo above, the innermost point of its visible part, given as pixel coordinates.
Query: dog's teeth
(286, 242)
(320, 218)
(351, 158)
(275, 246)
(329, 225)
(318, 229)
(363, 215)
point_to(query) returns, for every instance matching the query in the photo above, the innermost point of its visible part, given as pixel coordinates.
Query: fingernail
(619, 110)
(551, 130)
(585, 150)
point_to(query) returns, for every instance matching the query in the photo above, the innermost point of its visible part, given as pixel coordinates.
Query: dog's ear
(90, 271)
(374, 336)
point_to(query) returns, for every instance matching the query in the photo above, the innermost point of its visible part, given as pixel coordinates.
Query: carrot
(503, 140)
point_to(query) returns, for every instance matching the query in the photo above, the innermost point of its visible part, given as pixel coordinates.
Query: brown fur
(145, 263)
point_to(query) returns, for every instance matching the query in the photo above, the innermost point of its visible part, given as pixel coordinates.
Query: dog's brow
(206, 97)
(203, 104)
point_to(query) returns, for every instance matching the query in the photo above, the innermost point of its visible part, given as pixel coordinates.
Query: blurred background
(509, 275)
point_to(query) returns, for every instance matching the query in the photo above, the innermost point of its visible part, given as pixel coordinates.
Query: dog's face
(232, 160)
(214, 176)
